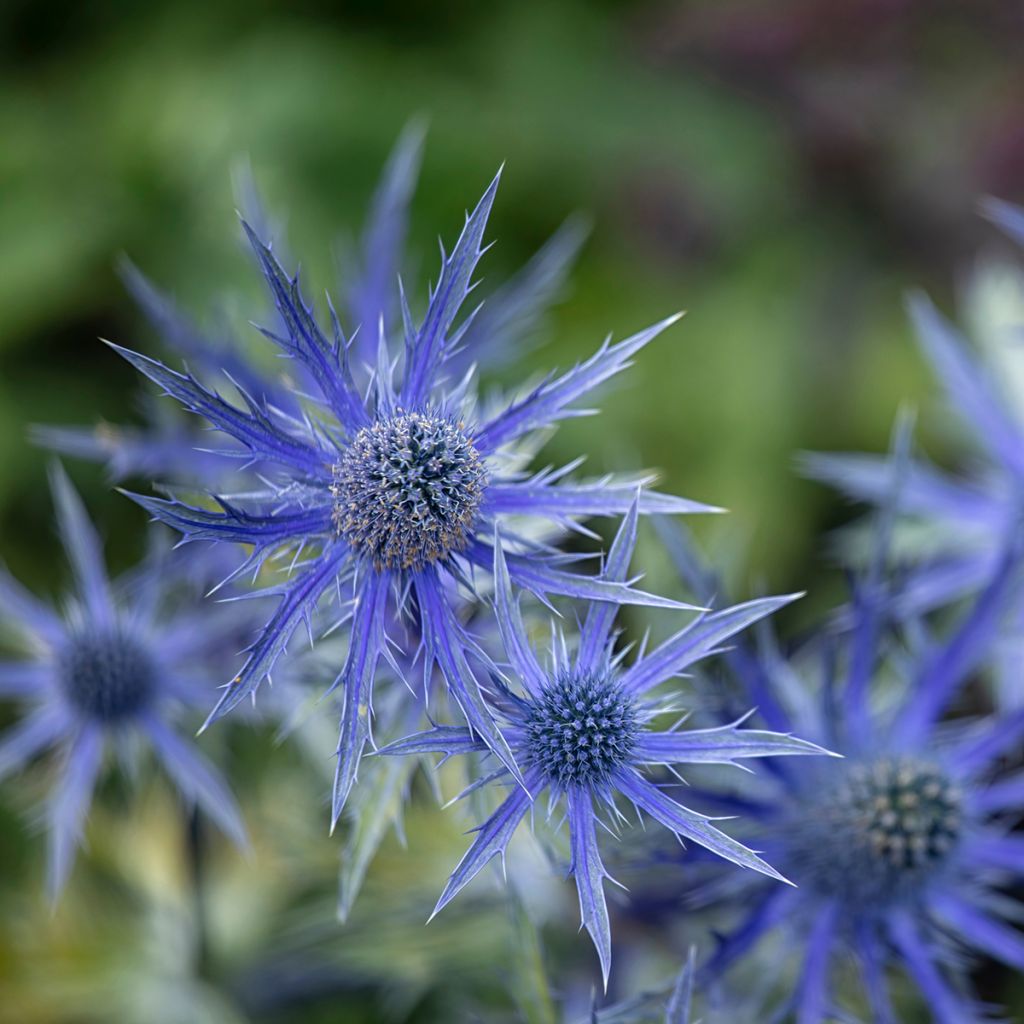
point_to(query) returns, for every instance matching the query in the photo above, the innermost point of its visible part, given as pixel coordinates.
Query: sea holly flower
(901, 850)
(390, 498)
(581, 728)
(112, 665)
(170, 449)
(967, 516)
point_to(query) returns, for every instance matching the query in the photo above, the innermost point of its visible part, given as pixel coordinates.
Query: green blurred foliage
(782, 176)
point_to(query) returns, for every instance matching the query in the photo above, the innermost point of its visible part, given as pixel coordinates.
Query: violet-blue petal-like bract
(388, 496)
(902, 853)
(114, 662)
(580, 727)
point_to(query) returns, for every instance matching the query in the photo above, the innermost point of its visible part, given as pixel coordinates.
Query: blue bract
(114, 663)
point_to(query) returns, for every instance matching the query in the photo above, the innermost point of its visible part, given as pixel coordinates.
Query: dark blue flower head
(387, 494)
(581, 728)
(106, 674)
(878, 831)
(899, 852)
(407, 491)
(116, 662)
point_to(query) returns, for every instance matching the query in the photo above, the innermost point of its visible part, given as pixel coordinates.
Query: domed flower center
(887, 827)
(407, 490)
(580, 730)
(107, 676)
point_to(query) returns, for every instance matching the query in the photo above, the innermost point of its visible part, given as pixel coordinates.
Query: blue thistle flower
(111, 665)
(900, 851)
(581, 730)
(392, 498)
(970, 515)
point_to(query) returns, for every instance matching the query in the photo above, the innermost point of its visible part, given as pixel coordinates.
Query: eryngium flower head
(877, 830)
(407, 491)
(581, 730)
(898, 851)
(966, 516)
(106, 674)
(113, 664)
(389, 496)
